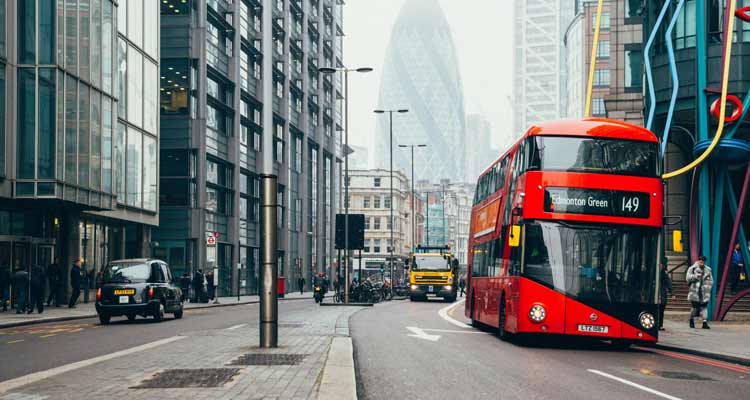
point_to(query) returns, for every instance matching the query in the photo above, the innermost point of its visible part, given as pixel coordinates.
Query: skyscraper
(421, 73)
(538, 61)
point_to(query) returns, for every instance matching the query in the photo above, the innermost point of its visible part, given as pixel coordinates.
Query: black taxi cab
(137, 287)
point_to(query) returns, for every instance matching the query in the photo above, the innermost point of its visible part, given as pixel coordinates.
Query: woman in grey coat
(700, 280)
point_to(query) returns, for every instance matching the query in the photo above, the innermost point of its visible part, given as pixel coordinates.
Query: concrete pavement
(725, 340)
(418, 354)
(146, 360)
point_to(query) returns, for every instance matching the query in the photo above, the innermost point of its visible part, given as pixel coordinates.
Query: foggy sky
(482, 34)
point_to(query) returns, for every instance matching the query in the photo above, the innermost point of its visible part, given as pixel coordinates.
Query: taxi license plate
(593, 328)
(124, 300)
(119, 292)
(430, 289)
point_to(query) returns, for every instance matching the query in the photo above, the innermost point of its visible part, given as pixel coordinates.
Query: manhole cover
(269, 359)
(688, 376)
(189, 378)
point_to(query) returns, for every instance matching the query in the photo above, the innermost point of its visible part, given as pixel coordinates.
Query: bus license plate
(430, 289)
(593, 328)
(124, 300)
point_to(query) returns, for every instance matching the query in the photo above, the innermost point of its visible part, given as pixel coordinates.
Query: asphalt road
(33, 348)
(447, 361)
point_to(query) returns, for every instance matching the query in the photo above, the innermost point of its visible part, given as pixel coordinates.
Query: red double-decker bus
(566, 234)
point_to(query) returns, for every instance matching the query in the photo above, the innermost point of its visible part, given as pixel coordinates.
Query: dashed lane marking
(46, 336)
(444, 315)
(15, 341)
(633, 384)
(231, 328)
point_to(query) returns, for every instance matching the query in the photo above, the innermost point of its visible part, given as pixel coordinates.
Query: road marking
(15, 341)
(444, 315)
(455, 331)
(421, 334)
(231, 328)
(697, 359)
(11, 384)
(75, 330)
(633, 384)
(46, 336)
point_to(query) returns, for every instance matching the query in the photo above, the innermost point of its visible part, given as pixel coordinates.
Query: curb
(339, 380)
(94, 315)
(745, 362)
(347, 304)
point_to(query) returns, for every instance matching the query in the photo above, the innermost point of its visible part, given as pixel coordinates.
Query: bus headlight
(537, 313)
(448, 287)
(647, 320)
(414, 287)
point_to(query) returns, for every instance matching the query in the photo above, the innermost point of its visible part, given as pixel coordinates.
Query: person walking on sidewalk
(53, 278)
(736, 269)
(5, 280)
(301, 284)
(75, 283)
(38, 284)
(21, 284)
(462, 284)
(185, 286)
(198, 286)
(700, 280)
(665, 292)
(210, 285)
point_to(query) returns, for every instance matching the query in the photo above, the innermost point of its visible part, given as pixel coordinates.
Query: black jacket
(4, 278)
(75, 276)
(38, 279)
(53, 274)
(666, 284)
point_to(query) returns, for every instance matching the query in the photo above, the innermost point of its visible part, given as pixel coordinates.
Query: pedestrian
(75, 283)
(5, 280)
(185, 286)
(210, 284)
(665, 292)
(198, 286)
(301, 284)
(736, 269)
(21, 284)
(53, 278)
(38, 284)
(700, 280)
(462, 285)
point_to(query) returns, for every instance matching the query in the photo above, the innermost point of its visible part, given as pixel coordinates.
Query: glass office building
(79, 131)
(211, 108)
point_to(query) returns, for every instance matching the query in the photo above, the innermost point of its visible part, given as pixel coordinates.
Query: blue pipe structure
(647, 61)
(675, 77)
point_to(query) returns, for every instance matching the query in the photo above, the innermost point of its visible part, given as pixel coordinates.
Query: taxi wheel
(131, 317)
(159, 314)
(104, 319)
(178, 314)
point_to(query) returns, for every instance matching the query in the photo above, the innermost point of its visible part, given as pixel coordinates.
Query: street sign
(356, 231)
(210, 241)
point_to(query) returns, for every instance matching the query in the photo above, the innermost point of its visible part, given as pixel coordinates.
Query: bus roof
(587, 127)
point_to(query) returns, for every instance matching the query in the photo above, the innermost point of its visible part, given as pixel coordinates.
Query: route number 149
(630, 204)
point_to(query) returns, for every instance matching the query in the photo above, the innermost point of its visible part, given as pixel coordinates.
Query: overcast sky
(482, 33)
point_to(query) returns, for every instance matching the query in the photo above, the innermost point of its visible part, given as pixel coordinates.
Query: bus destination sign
(613, 203)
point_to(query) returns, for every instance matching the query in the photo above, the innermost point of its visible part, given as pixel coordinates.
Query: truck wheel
(104, 318)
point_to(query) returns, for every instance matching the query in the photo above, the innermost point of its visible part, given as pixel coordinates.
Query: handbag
(743, 276)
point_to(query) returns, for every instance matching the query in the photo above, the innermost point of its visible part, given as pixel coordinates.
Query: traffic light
(382, 269)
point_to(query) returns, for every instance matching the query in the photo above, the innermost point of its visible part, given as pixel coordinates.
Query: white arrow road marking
(455, 331)
(633, 384)
(444, 315)
(421, 334)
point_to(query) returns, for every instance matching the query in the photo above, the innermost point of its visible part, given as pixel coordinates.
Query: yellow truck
(433, 272)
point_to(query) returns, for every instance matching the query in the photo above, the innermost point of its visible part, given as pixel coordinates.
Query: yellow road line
(15, 341)
(75, 330)
(46, 336)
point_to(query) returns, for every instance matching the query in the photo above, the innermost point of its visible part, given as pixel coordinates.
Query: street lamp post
(390, 148)
(413, 193)
(345, 71)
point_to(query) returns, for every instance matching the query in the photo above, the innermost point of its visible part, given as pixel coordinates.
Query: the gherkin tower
(421, 73)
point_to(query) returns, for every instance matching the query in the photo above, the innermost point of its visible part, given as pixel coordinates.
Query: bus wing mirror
(514, 236)
(677, 241)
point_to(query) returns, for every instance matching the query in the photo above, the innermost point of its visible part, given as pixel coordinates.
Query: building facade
(370, 194)
(212, 113)
(79, 132)
(618, 78)
(448, 215)
(480, 153)
(539, 63)
(421, 74)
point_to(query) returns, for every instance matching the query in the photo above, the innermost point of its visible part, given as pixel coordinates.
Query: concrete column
(144, 241)
(71, 239)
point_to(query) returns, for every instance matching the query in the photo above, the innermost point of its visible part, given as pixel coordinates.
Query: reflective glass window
(122, 78)
(96, 139)
(133, 172)
(47, 31)
(2, 118)
(107, 144)
(96, 42)
(84, 36)
(174, 86)
(26, 32)
(135, 87)
(151, 26)
(71, 129)
(107, 38)
(26, 123)
(2, 29)
(122, 17)
(150, 110)
(84, 138)
(71, 35)
(633, 68)
(120, 164)
(60, 32)
(135, 22)
(149, 172)
(47, 115)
